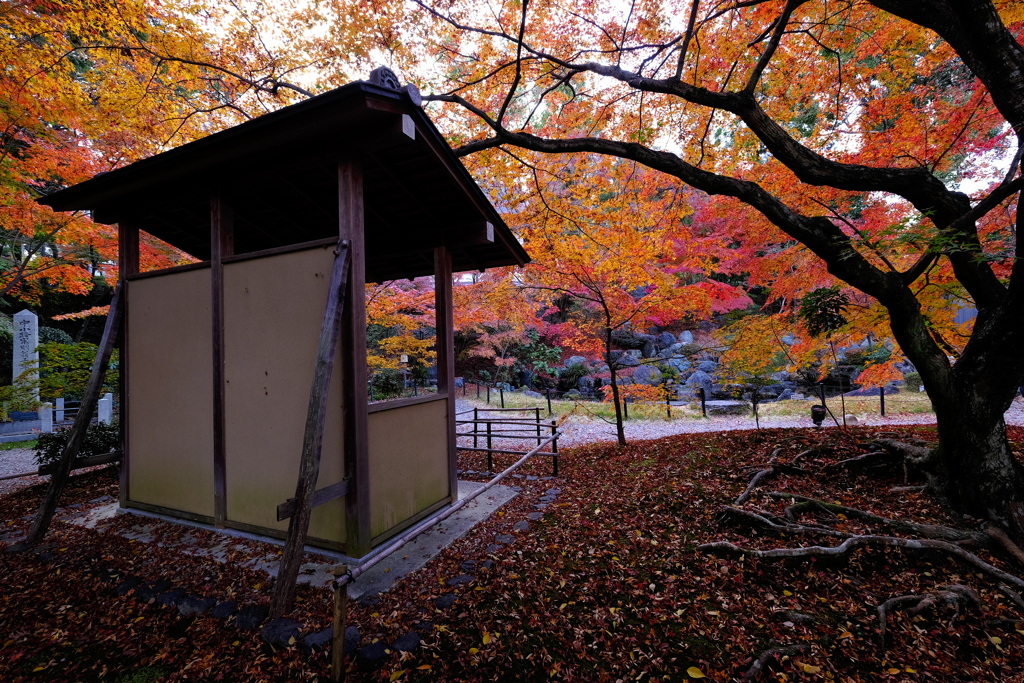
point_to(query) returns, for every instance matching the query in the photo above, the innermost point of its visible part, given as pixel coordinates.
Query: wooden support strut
(60, 477)
(283, 599)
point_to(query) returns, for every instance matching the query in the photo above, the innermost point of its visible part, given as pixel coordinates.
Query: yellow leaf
(473, 650)
(39, 668)
(423, 667)
(138, 619)
(845, 634)
(487, 638)
(398, 674)
(694, 672)
(291, 640)
(236, 643)
(808, 668)
(910, 671)
(787, 593)
(894, 671)
(996, 640)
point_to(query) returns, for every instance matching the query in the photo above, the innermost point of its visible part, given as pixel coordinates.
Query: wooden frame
(128, 266)
(222, 243)
(445, 328)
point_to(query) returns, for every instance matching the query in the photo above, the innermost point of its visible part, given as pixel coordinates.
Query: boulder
(873, 391)
(281, 632)
(728, 408)
(686, 337)
(532, 394)
(666, 339)
(708, 366)
(627, 360)
(576, 360)
(771, 390)
(650, 349)
(700, 380)
(647, 374)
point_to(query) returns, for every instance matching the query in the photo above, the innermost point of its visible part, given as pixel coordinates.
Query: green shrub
(386, 384)
(100, 439)
(912, 381)
(65, 370)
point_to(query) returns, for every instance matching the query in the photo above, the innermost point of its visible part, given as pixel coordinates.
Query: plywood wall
(170, 392)
(274, 309)
(408, 462)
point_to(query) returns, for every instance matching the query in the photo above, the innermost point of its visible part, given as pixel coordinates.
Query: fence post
(554, 449)
(338, 637)
(703, 401)
(478, 388)
(536, 413)
(490, 454)
(476, 425)
(668, 402)
(60, 409)
(501, 392)
(488, 394)
(46, 417)
(549, 401)
(625, 409)
(881, 399)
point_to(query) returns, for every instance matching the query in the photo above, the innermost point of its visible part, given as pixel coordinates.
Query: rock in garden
(250, 617)
(407, 642)
(171, 597)
(647, 374)
(666, 339)
(445, 601)
(281, 632)
(707, 366)
(194, 606)
(521, 525)
(460, 579)
(320, 640)
(372, 656)
(700, 380)
(686, 337)
(128, 585)
(224, 609)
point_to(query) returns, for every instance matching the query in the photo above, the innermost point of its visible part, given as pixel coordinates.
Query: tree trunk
(620, 432)
(973, 466)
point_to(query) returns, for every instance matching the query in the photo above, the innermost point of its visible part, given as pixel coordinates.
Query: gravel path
(581, 430)
(16, 461)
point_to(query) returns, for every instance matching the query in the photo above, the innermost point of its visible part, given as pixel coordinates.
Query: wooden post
(283, 599)
(444, 346)
(490, 454)
(501, 392)
(881, 400)
(536, 415)
(703, 401)
(554, 449)
(355, 418)
(488, 394)
(59, 479)
(549, 401)
(476, 422)
(340, 618)
(128, 264)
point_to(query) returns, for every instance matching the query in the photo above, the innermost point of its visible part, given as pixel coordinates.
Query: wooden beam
(358, 539)
(79, 463)
(221, 245)
(283, 600)
(127, 266)
(479, 233)
(90, 397)
(325, 495)
(444, 325)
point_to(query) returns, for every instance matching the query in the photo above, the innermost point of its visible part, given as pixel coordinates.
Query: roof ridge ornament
(384, 77)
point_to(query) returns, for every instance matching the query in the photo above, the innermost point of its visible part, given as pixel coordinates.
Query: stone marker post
(60, 410)
(46, 417)
(26, 342)
(105, 408)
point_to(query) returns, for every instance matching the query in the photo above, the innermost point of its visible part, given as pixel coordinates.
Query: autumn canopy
(782, 150)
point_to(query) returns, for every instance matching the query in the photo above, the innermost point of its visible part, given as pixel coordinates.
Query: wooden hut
(218, 356)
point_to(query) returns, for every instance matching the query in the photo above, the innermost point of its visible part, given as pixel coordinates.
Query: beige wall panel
(408, 462)
(170, 392)
(273, 311)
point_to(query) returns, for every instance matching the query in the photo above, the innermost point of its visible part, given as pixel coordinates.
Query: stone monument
(26, 343)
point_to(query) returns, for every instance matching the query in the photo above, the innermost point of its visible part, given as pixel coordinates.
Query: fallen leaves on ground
(607, 586)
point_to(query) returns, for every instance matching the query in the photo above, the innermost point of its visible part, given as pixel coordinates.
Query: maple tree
(837, 139)
(614, 239)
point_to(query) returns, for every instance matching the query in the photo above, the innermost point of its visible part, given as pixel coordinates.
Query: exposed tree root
(936, 531)
(731, 549)
(770, 470)
(1005, 542)
(908, 489)
(865, 460)
(1013, 595)
(765, 521)
(772, 653)
(956, 596)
